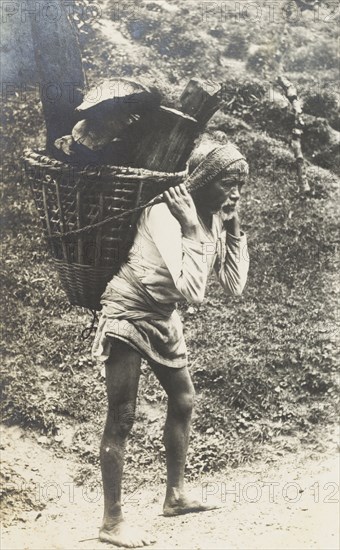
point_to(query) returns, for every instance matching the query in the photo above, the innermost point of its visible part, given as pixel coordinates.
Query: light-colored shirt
(174, 268)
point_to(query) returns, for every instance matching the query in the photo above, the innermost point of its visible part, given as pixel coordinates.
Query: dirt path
(292, 504)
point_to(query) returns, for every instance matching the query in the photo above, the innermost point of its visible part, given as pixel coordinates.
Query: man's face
(224, 194)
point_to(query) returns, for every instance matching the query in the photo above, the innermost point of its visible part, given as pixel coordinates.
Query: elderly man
(177, 244)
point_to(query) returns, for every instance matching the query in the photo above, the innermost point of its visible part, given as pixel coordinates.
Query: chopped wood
(118, 98)
(201, 99)
(162, 140)
(60, 71)
(95, 135)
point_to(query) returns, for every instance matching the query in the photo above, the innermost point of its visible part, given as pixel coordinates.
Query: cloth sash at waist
(126, 297)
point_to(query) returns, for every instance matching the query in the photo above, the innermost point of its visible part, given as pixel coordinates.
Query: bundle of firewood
(122, 122)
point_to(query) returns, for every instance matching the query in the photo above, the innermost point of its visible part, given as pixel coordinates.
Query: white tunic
(175, 268)
(171, 268)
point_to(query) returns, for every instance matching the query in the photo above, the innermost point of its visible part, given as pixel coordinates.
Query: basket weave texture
(85, 214)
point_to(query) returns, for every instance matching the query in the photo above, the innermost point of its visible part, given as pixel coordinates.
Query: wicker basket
(85, 214)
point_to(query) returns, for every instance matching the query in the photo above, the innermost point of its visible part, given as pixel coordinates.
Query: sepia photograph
(170, 281)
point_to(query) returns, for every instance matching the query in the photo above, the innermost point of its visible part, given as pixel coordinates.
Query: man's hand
(182, 207)
(231, 222)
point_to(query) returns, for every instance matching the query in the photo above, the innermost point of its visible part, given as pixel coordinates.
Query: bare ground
(291, 503)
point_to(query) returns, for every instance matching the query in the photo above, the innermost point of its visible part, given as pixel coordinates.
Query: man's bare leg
(181, 394)
(122, 378)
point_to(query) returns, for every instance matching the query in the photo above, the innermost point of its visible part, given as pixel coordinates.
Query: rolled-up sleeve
(232, 263)
(183, 257)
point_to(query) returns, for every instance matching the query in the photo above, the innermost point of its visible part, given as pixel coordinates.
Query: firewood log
(201, 99)
(60, 70)
(162, 140)
(117, 99)
(165, 139)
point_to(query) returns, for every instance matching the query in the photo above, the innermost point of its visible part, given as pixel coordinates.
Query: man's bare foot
(178, 504)
(125, 535)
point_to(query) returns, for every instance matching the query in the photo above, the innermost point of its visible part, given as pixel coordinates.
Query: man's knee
(120, 418)
(183, 403)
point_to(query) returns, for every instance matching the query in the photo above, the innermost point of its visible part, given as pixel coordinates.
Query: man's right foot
(125, 535)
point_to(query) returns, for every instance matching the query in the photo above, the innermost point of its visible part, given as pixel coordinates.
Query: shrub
(318, 56)
(323, 104)
(140, 28)
(264, 58)
(238, 46)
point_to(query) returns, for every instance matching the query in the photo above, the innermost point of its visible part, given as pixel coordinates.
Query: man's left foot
(183, 505)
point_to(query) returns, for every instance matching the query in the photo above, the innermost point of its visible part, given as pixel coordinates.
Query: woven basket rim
(85, 267)
(41, 158)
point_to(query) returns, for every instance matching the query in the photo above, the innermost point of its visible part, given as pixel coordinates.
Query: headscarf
(210, 161)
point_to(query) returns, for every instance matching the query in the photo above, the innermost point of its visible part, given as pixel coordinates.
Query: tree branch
(297, 131)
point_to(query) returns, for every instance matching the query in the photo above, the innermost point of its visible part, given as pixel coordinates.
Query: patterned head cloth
(210, 162)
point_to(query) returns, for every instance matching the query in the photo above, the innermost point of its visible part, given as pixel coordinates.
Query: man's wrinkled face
(223, 194)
